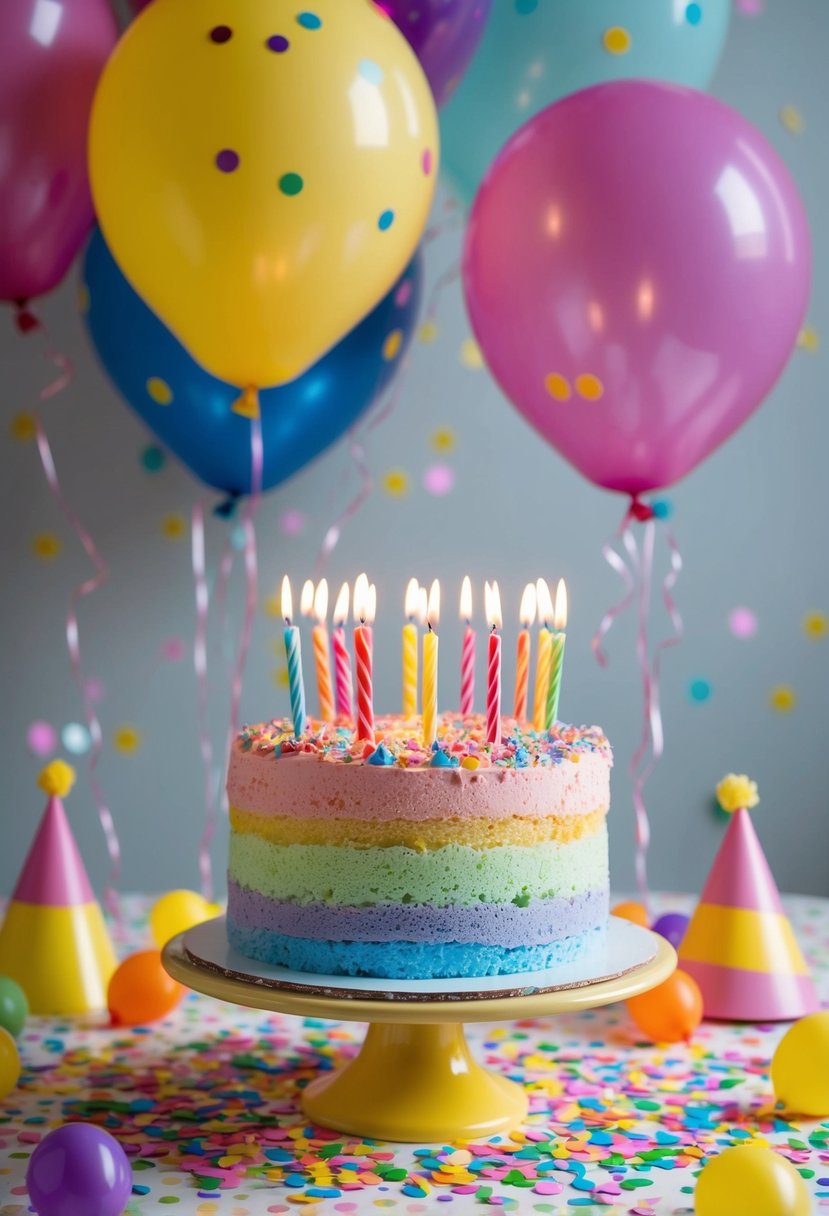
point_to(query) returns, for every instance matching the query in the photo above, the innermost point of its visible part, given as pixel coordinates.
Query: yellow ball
(178, 911)
(800, 1067)
(9, 1063)
(750, 1180)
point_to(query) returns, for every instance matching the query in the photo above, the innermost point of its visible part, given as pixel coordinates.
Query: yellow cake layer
(422, 835)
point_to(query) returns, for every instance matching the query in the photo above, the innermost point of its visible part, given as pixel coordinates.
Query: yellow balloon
(178, 911)
(9, 1063)
(751, 1180)
(262, 173)
(800, 1067)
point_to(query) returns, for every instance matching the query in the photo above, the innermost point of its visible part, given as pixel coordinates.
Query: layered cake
(393, 860)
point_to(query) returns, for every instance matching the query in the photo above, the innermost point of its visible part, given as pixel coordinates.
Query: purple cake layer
(505, 925)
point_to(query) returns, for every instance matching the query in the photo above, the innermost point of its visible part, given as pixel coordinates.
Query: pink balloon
(636, 270)
(51, 54)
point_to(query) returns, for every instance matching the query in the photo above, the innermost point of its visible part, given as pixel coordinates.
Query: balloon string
(26, 322)
(621, 568)
(202, 686)
(642, 566)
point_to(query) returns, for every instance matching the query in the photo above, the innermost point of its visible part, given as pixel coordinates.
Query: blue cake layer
(406, 960)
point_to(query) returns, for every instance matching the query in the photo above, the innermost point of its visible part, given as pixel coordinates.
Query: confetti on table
(395, 483)
(815, 625)
(470, 355)
(742, 622)
(46, 545)
(126, 740)
(22, 427)
(782, 699)
(174, 526)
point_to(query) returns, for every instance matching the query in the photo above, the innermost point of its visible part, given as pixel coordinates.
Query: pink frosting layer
(304, 785)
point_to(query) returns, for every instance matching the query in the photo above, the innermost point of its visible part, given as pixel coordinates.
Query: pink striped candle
(467, 652)
(493, 680)
(343, 692)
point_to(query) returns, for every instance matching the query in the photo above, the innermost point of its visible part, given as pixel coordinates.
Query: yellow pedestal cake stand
(414, 1078)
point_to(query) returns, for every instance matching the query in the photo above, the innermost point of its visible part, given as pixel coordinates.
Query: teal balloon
(14, 1008)
(191, 412)
(535, 52)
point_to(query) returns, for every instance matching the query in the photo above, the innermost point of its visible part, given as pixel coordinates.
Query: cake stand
(414, 1078)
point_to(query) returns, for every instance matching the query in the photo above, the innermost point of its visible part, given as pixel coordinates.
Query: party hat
(740, 946)
(54, 942)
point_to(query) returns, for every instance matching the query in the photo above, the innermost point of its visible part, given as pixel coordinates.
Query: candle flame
(411, 599)
(544, 603)
(306, 598)
(361, 597)
(321, 601)
(528, 602)
(287, 600)
(422, 605)
(466, 599)
(341, 606)
(492, 606)
(560, 620)
(433, 606)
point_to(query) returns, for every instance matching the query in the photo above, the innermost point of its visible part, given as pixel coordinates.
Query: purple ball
(79, 1170)
(671, 925)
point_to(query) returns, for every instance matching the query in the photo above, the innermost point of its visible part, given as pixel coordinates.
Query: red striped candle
(493, 677)
(363, 658)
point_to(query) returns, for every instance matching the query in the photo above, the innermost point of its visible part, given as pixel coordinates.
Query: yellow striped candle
(430, 668)
(410, 640)
(543, 664)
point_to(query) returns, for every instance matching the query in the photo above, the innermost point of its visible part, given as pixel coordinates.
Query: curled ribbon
(28, 322)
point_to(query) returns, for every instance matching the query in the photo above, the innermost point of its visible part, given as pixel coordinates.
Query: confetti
(75, 738)
(126, 740)
(442, 440)
(700, 690)
(815, 625)
(280, 677)
(428, 332)
(46, 545)
(173, 649)
(292, 523)
(41, 738)
(470, 355)
(792, 119)
(742, 622)
(174, 526)
(23, 428)
(395, 483)
(782, 699)
(439, 479)
(153, 458)
(808, 339)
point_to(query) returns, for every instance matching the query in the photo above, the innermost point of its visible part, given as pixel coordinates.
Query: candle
(364, 613)
(559, 637)
(342, 660)
(522, 661)
(467, 652)
(293, 654)
(430, 667)
(319, 636)
(493, 671)
(543, 663)
(410, 638)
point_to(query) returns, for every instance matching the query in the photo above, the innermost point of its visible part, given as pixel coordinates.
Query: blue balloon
(535, 52)
(191, 412)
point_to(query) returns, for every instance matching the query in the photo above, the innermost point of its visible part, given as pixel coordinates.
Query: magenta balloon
(444, 34)
(51, 54)
(636, 270)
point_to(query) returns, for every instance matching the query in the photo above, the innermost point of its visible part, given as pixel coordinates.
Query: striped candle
(543, 663)
(343, 693)
(319, 637)
(493, 678)
(430, 668)
(410, 640)
(293, 654)
(522, 659)
(467, 651)
(363, 655)
(559, 637)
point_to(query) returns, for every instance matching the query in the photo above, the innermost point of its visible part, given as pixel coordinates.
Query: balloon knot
(640, 511)
(226, 509)
(24, 318)
(248, 404)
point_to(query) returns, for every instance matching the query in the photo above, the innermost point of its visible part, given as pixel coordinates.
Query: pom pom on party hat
(740, 946)
(53, 941)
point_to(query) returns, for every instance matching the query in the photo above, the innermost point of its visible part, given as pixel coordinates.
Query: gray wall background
(751, 525)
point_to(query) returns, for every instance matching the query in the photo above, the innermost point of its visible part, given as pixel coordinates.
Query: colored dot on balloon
(782, 699)
(700, 690)
(693, 14)
(46, 545)
(278, 43)
(126, 740)
(309, 21)
(159, 390)
(41, 738)
(403, 293)
(291, 183)
(153, 458)
(23, 427)
(370, 71)
(589, 386)
(426, 161)
(221, 33)
(616, 40)
(439, 479)
(385, 221)
(75, 738)
(392, 344)
(557, 386)
(742, 623)
(227, 160)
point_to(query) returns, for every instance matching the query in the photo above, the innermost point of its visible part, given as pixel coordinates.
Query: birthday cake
(395, 860)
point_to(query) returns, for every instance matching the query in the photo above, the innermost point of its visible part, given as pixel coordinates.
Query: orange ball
(671, 1012)
(141, 991)
(632, 911)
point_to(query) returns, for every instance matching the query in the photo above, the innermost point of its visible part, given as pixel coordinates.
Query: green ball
(14, 1008)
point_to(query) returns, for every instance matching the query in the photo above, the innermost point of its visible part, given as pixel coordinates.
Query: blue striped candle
(293, 653)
